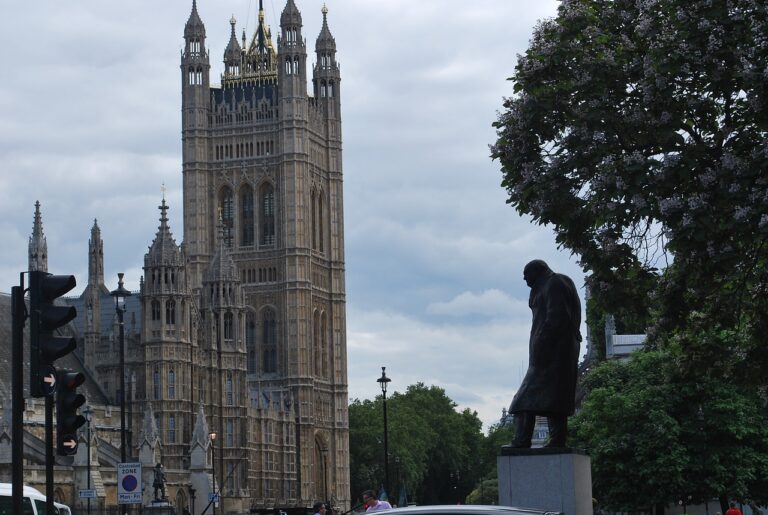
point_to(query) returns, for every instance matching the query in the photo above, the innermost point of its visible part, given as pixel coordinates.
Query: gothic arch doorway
(322, 480)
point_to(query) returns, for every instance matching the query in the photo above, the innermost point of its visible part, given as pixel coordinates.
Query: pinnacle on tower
(194, 26)
(38, 245)
(325, 40)
(290, 15)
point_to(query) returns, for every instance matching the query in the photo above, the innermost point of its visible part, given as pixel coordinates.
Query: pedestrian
(549, 385)
(733, 510)
(372, 503)
(319, 508)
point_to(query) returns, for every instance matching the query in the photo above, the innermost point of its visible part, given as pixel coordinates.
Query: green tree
(432, 446)
(655, 437)
(638, 130)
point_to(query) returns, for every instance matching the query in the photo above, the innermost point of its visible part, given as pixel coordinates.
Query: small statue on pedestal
(159, 482)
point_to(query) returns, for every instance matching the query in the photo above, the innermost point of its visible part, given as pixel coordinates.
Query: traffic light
(67, 419)
(45, 318)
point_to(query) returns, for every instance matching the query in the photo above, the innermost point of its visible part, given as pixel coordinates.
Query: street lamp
(88, 412)
(383, 381)
(212, 436)
(120, 295)
(192, 499)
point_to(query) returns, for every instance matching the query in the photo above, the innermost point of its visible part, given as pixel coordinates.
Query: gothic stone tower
(262, 160)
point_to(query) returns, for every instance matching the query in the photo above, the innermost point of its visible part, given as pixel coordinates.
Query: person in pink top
(372, 503)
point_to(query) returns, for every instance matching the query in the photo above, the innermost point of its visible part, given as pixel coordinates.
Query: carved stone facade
(241, 329)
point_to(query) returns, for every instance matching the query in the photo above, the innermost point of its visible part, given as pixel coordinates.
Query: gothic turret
(326, 76)
(95, 257)
(168, 340)
(292, 50)
(195, 101)
(38, 246)
(233, 53)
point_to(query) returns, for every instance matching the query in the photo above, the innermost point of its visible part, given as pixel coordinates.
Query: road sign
(129, 483)
(213, 497)
(87, 494)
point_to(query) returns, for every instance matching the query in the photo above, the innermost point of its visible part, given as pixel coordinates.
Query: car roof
(7, 489)
(467, 509)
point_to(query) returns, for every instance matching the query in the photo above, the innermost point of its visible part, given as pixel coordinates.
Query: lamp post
(398, 481)
(120, 295)
(212, 436)
(88, 412)
(383, 382)
(192, 499)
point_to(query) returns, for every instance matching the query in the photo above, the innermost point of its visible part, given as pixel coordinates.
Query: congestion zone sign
(129, 483)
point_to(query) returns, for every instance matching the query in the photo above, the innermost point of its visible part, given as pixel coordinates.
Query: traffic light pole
(17, 394)
(49, 454)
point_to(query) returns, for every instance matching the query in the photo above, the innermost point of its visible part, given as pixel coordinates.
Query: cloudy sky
(90, 125)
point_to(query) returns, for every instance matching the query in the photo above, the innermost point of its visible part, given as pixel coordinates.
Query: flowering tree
(637, 129)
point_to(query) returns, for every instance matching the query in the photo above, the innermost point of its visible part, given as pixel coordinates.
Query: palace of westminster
(241, 329)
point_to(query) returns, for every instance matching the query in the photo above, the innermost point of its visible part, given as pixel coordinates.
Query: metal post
(212, 435)
(122, 391)
(386, 448)
(88, 414)
(383, 383)
(17, 394)
(49, 454)
(120, 295)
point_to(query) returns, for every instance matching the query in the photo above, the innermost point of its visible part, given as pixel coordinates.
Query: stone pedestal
(546, 479)
(162, 507)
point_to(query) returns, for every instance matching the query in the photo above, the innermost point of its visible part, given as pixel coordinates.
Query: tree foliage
(433, 448)
(656, 438)
(638, 131)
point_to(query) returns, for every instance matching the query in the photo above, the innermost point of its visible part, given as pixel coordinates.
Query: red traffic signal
(45, 318)
(67, 403)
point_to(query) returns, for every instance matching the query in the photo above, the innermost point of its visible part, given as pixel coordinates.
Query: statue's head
(535, 270)
(159, 466)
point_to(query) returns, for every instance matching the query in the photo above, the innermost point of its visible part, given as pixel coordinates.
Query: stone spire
(290, 15)
(95, 257)
(38, 246)
(325, 40)
(163, 250)
(149, 432)
(222, 266)
(194, 26)
(200, 435)
(232, 53)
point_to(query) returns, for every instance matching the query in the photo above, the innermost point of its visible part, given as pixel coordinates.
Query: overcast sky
(90, 125)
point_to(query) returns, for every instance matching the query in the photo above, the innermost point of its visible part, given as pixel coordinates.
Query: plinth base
(551, 479)
(161, 507)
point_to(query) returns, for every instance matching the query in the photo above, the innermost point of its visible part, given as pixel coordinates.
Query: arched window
(287, 66)
(155, 310)
(320, 235)
(156, 383)
(171, 384)
(229, 390)
(318, 351)
(170, 312)
(324, 345)
(330, 89)
(295, 65)
(313, 215)
(227, 206)
(171, 429)
(267, 197)
(250, 341)
(246, 216)
(228, 323)
(269, 340)
(230, 433)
